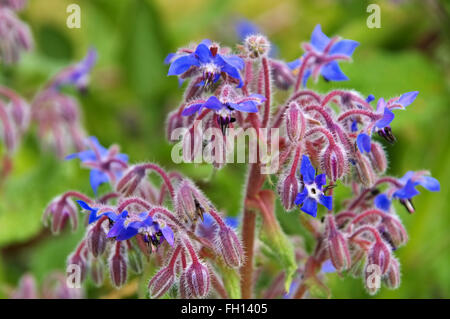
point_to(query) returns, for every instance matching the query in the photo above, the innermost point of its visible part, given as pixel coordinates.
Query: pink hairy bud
(337, 245)
(58, 212)
(197, 279)
(334, 162)
(256, 45)
(288, 189)
(378, 158)
(364, 170)
(118, 264)
(295, 123)
(392, 277)
(380, 255)
(161, 282)
(174, 120)
(96, 238)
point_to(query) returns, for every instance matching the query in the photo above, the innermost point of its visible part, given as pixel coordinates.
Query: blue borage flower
(101, 161)
(405, 194)
(128, 225)
(382, 126)
(208, 61)
(312, 192)
(78, 74)
(225, 108)
(326, 56)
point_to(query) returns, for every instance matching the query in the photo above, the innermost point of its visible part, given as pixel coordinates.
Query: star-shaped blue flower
(78, 74)
(410, 181)
(326, 60)
(101, 162)
(127, 226)
(312, 192)
(248, 104)
(208, 61)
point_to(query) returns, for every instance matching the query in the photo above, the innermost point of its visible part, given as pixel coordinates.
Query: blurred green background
(130, 95)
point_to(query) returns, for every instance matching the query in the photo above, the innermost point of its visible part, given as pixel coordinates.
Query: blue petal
(407, 98)
(191, 109)
(307, 170)
(182, 64)
(233, 222)
(388, 117)
(97, 178)
(328, 267)
(332, 72)
(233, 72)
(294, 64)
(407, 192)
(127, 233)
(85, 206)
(88, 155)
(318, 39)
(354, 127)
(310, 207)
(301, 197)
(382, 202)
(363, 142)
(123, 157)
(370, 98)
(101, 149)
(117, 228)
(406, 177)
(248, 106)
(430, 183)
(321, 180)
(203, 53)
(213, 103)
(345, 47)
(169, 58)
(234, 61)
(326, 201)
(168, 235)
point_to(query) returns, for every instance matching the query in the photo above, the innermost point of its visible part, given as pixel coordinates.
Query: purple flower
(208, 61)
(226, 108)
(405, 194)
(106, 164)
(94, 215)
(326, 52)
(76, 75)
(312, 192)
(363, 142)
(128, 225)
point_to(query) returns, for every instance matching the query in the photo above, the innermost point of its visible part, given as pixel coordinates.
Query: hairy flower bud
(78, 260)
(379, 255)
(96, 239)
(256, 45)
(295, 123)
(190, 203)
(197, 280)
(58, 212)
(364, 170)
(334, 162)
(378, 158)
(337, 245)
(392, 277)
(96, 270)
(27, 288)
(174, 121)
(229, 247)
(393, 231)
(282, 75)
(118, 264)
(182, 287)
(161, 282)
(288, 189)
